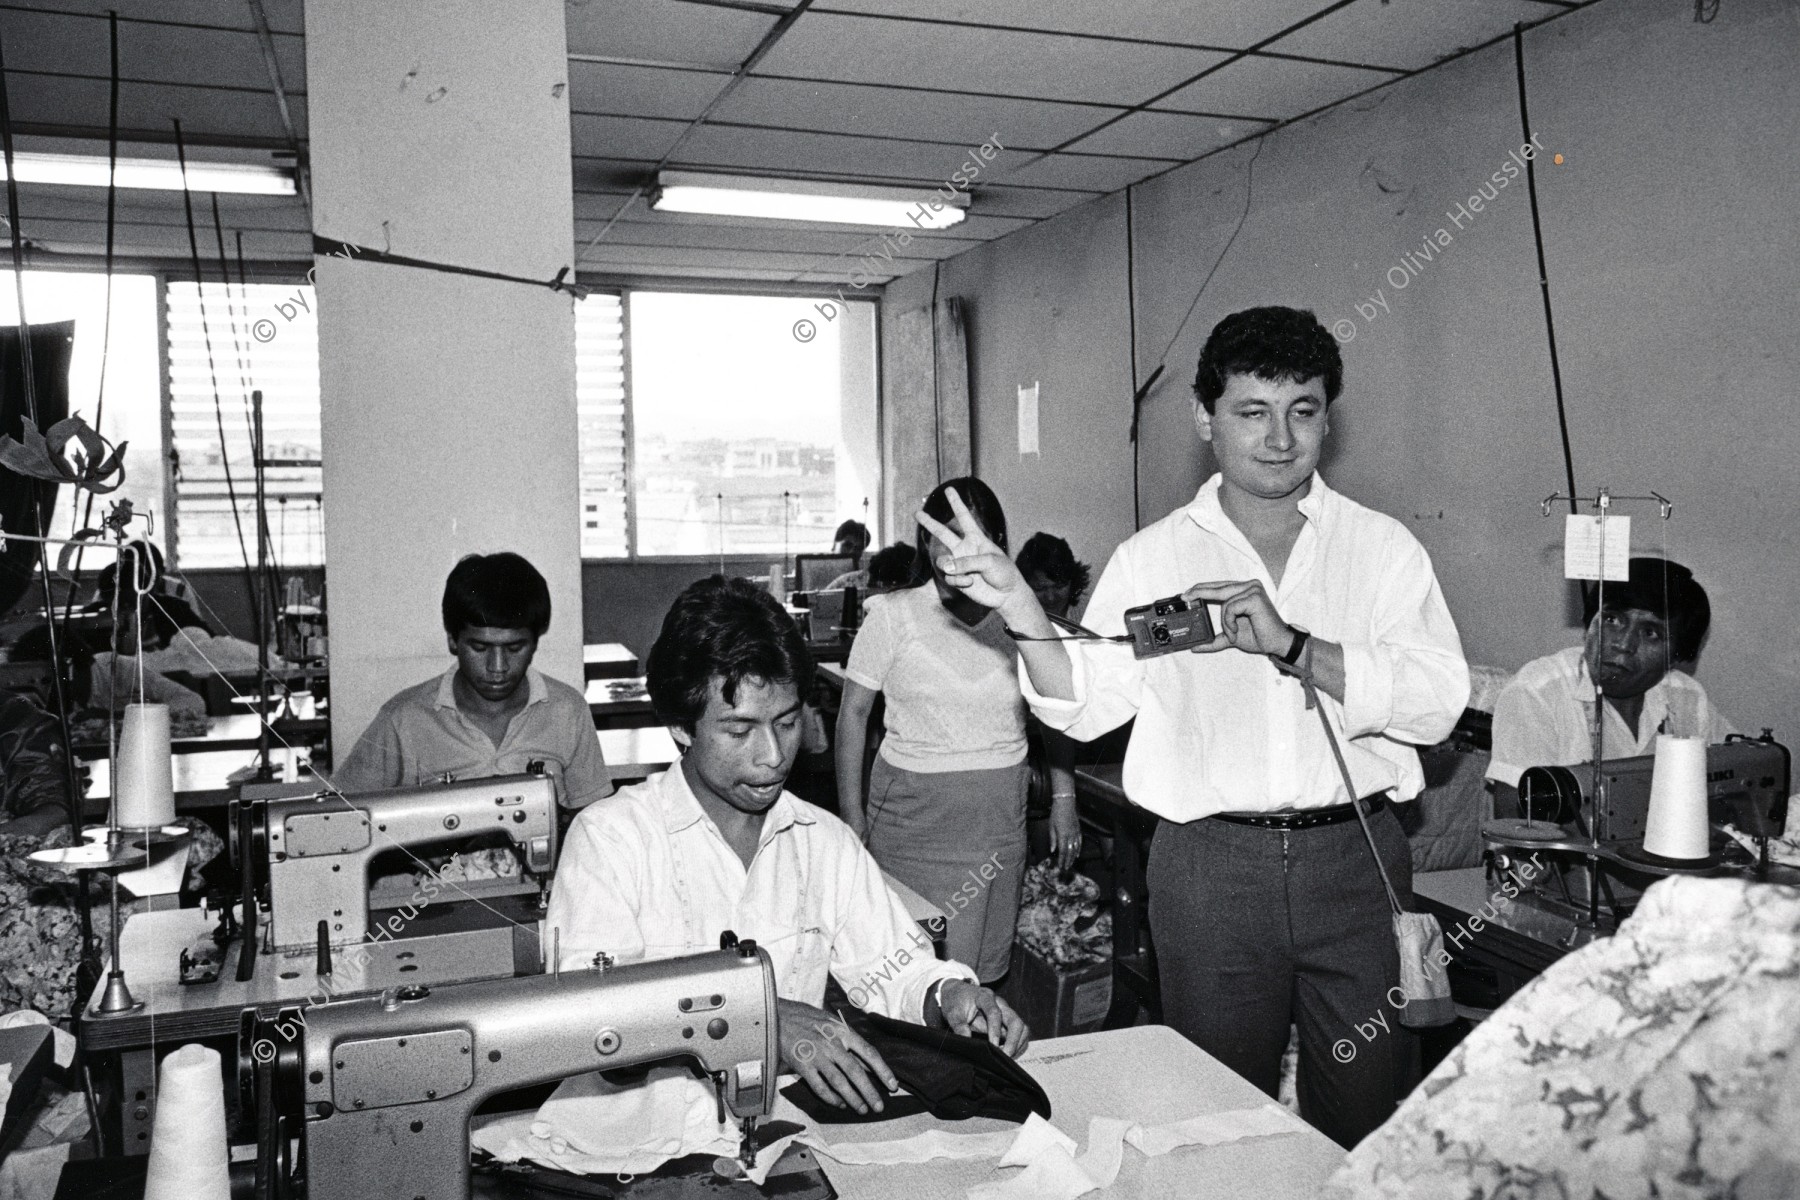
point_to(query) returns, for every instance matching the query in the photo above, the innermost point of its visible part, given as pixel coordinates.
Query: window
(218, 356)
(133, 404)
(722, 431)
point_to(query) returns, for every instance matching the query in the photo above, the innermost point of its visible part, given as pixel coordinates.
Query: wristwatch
(1293, 654)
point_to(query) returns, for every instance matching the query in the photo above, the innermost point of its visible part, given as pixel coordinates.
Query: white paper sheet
(1028, 419)
(1582, 548)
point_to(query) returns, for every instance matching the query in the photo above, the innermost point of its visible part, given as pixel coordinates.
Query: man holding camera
(1265, 906)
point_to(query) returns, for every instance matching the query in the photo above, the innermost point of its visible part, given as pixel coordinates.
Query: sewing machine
(311, 852)
(380, 1090)
(1747, 787)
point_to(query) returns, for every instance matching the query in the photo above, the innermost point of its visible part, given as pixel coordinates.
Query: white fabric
(953, 701)
(1227, 732)
(1543, 717)
(590, 1127)
(647, 875)
(1053, 1172)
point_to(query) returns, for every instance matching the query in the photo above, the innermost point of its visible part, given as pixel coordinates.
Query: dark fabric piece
(26, 504)
(950, 1076)
(1257, 929)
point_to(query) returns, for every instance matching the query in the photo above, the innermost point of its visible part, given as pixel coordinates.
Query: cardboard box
(1057, 1001)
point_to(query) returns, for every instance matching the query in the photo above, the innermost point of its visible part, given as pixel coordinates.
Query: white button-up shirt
(1227, 732)
(646, 875)
(1544, 717)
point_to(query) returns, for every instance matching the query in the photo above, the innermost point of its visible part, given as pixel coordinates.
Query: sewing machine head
(1746, 786)
(381, 1089)
(312, 851)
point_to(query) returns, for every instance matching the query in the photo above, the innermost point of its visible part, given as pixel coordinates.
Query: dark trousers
(1259, 928)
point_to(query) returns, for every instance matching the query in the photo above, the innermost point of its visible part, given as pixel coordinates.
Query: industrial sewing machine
(380, 1090)
(306, 857)
(1747, 783)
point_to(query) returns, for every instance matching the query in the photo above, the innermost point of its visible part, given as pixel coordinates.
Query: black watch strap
(1300, 640)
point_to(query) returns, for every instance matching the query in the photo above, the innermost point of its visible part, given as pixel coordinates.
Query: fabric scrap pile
(1060, 919)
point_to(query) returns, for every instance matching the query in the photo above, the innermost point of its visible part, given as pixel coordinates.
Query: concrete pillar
(440, 131)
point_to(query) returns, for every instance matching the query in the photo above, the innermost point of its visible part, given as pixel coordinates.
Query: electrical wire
(1537, 233)
(237, 517)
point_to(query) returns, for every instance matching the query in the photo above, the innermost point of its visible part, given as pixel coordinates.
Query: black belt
(1310, 818)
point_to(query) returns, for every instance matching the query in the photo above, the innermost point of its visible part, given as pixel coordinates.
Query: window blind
(262, 336)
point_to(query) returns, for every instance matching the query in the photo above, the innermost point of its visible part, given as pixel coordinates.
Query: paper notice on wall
(1597, 547)
(1028, 419)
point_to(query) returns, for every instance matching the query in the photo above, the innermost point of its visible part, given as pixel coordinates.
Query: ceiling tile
(1045, 66)
(1094, 173)
(1231, 23)
(1408, 33)
(1272, 88)
(1167, 135)
(285, 16)
(666, 31)
(622, 137)
(204, 112)
(1006, 200)
(641, 91)
(158, 53)
(898, 112)
(47, 202)
(763, 151)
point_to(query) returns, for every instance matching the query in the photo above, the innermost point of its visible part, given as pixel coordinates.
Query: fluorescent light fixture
(158, 174)
(805, 200)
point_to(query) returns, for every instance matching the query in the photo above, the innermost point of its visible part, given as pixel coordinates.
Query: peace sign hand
(975, 565)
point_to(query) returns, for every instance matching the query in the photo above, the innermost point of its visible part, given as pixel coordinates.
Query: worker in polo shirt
(490, 714)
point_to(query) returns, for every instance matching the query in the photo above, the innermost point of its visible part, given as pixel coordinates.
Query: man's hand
(1065, 831)
(975, 565)
(972, 1010)
(836, 1062)
(1247, 618)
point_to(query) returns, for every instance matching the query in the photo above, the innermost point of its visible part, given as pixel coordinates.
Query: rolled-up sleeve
(1108, 680)
(879, 955)
(1525, 733)
(1409, 680)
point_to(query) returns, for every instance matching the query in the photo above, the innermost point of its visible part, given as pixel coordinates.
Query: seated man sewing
(716, 843)
(1649, 624)
(490, 713)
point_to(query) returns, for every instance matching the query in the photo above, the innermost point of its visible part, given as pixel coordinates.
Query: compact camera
(1165, 626)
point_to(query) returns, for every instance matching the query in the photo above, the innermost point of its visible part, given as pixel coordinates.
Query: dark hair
(728, 629)
(981, 501)
(849, 528)
(1665, 589)
(1270, 343)
(892, 567)
(496, 591)
(1048, 555)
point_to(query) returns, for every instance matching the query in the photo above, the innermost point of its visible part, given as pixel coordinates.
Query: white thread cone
(1676, 824)
(189, 1158)
(146, 797)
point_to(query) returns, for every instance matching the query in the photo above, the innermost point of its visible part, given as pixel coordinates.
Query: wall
(447, 401)
(1673, 249)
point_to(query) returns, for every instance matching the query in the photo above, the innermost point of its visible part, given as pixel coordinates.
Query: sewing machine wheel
(1550, 794)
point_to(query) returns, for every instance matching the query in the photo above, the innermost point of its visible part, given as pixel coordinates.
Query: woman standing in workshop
(945, 808)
